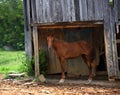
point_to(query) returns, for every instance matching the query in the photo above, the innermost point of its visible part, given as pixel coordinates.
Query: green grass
(10, 61)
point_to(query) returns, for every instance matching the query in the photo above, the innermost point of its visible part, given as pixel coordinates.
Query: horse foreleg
(62, 62)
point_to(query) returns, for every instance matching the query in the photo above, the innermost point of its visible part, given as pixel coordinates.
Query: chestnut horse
(65, 51)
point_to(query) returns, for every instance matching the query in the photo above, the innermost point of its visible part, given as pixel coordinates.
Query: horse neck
(57, 43)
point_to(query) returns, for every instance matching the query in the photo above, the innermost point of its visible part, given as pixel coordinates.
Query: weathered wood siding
(48, 11)
(118, 8)
(27, 29)
(110, 18)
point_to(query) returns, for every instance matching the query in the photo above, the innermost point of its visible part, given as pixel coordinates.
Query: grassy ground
(11, 60)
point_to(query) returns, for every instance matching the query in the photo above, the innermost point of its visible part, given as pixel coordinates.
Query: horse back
(73, 49)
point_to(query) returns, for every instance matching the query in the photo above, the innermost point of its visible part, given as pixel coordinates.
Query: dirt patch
(70, 87)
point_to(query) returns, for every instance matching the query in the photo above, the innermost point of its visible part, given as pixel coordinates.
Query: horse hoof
(94, 75)
(62, 81)
(89, 81)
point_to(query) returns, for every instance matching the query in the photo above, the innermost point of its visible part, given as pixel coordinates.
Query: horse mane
(58, 40)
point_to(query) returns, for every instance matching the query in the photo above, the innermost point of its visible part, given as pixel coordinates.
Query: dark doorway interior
(102, 63)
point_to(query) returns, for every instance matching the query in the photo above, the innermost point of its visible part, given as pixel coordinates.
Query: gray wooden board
(27, 29)
(47, 11)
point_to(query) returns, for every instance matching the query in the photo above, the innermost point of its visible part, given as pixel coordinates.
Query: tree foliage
(11, 24)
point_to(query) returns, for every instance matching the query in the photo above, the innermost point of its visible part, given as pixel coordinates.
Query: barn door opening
(98, 39)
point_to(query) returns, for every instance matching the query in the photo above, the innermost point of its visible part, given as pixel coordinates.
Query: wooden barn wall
(48, 11)
(76, 66)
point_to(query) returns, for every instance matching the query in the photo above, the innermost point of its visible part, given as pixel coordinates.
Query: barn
(96, 21)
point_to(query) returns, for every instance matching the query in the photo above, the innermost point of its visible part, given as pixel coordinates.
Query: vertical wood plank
(64, 14)
(91, 9)
(38, 10)
(72, 11)
(35, 39)
(66, 10)
(58, 11)
(83, 10)
(101, 10)
(68, 7)
(110, 40)
(98, 9)
(107, 37)
(114, 20)
(81, 13)
(46, 11)
(27, 29)
(118, 9)
(77, 9)
(36, 51)
(33, 10)
(52, 9)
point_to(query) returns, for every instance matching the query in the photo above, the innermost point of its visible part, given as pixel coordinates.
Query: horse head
(50, 41)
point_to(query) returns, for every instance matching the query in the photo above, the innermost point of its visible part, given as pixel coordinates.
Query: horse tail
(93, 54)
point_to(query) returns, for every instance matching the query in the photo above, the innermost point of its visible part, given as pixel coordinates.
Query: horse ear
(51, 35)
(48, 35)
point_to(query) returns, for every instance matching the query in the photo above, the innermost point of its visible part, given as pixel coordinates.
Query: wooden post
(35, 39)
(27, 29)
(114, 18)
(110, 18)
(36, 51)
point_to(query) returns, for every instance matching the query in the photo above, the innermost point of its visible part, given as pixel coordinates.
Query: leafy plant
(43, 62)
(27, 66)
